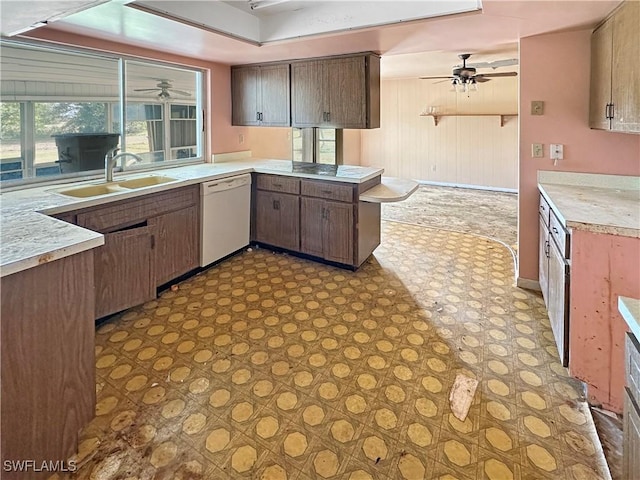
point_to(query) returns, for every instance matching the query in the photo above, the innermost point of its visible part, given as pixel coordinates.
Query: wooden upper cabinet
(601, 45)
(260, 95)
(625, 84)
(340, 92)
(615, 81)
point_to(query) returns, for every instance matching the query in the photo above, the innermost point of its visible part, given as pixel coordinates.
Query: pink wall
(555, 68)
(603, 267)
(221, 137)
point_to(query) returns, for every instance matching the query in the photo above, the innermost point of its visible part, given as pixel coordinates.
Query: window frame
(27, 117)
(311, 144)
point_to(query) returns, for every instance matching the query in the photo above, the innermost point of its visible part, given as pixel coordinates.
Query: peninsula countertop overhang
(30, 237)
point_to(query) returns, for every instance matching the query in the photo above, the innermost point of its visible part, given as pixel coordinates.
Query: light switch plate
(537, 107)
(537, 150)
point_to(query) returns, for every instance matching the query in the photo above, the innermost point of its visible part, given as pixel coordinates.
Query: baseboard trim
(528, 284)
(464, 185)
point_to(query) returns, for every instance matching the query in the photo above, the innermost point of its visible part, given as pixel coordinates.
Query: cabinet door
(558, 304)
(244, 95)
(346, 96)
(275, 105)
(631, 438)
(312, 212)
(625, 83)
(124, 270)
(307, 84)
(177, 243)
(277, 219)
(338, 234)
(601, 46)
(543, 260)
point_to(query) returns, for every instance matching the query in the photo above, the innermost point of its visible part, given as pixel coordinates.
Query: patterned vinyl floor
(268, 366)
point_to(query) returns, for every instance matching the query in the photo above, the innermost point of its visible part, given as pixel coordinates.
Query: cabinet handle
(326, 192)
(261, 117)
(555, 230)
(276, 204)
(153, 242)
(277, 185)
(546, 248)
(328, 116)
(258, 116)
(323, 214)
(612, 112)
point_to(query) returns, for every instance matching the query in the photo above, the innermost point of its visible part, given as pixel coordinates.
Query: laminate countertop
(608, 204)
(630, 310)
(30, 237)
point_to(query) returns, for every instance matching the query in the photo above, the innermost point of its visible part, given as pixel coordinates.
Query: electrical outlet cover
(537, 107)
(537, 150)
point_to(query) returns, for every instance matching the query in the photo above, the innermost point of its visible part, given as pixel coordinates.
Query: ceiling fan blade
(180, 92)
(146, 89)
(501, 74)
(498, 63)
(482, 79)
(435, 78)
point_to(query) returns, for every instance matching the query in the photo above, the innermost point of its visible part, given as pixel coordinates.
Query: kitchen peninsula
(52, 336)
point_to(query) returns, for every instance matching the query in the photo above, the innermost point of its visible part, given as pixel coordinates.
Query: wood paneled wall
(460, 150)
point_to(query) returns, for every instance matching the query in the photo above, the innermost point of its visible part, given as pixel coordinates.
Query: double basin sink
(104, 188)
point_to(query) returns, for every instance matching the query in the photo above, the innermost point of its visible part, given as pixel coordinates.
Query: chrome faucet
(110, 162)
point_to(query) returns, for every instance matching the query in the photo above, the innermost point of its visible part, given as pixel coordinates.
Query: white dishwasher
(225, 210)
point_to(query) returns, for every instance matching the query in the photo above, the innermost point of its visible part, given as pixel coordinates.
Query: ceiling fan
(464, 74)
(166, 90)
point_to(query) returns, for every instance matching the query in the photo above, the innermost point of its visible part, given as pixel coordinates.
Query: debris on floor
(461, 396)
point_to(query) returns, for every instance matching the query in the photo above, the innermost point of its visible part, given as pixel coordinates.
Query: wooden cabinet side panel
(48, 364)
(600, 90)
(373, 91)
(543, 260)
(367, 230)
(307, 87)
(311, 225)
(346, 93)
(177, 243)
(558, 301)
(338, 232)
(124, 271)
(275, 94)
(625, 84)
(244, 95)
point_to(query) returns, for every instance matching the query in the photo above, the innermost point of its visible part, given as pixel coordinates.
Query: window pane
(161, 119)
(326, 146)
(10, 145)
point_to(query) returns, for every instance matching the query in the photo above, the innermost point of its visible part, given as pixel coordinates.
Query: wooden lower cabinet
(277, 219)
(557, 303)
(327, 230)
(543, 260)
(177, 243)
(124, 270)
(48, 384)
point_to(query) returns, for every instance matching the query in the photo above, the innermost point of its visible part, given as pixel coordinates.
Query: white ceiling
(490, 34)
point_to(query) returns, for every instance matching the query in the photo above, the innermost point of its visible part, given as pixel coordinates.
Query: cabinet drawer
(633, 366)
(126, 212)
(277, 183)
(559, 234)
(544, 210)
(327, 190)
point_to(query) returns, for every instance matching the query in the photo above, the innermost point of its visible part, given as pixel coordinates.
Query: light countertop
(29, 237)
(608, 204)
(391, 189)
(630, 310)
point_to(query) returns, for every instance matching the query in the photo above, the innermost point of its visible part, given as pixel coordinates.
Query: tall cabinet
(615, 82)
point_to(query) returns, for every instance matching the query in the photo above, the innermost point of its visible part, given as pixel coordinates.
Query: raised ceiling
(497, 28)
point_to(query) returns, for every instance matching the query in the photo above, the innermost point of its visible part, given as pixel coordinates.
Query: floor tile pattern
(272, 367)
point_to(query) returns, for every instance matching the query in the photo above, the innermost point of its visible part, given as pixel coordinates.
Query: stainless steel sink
(100, 189)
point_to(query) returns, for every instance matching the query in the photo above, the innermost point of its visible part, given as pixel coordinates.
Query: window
(61, 112)
(317, 145)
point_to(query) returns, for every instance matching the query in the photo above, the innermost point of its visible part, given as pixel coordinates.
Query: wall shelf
(436, 116)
